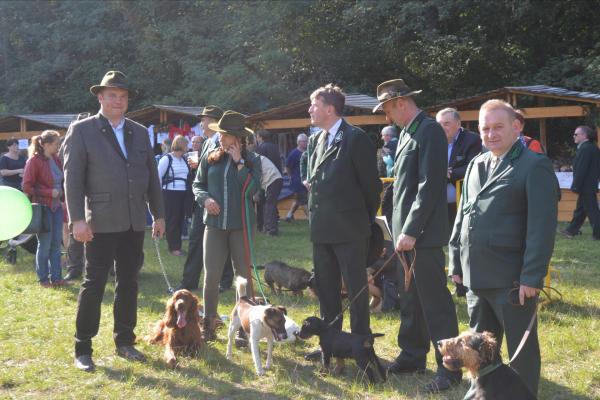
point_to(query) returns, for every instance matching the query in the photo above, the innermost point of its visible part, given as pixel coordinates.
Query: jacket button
(316, 206)
(128, 165)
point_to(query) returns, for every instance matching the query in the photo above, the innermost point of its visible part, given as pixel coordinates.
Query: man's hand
(193, 163)
(158, 228)
(405, 242)
(306, 185)
(457, 279)
(82, 232)
(526, 291)
(449, 172)
(212, 206)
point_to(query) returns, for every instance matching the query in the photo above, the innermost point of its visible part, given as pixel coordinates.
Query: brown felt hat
(393, 89)
(212, 112)
(232, 123)
(113, 79)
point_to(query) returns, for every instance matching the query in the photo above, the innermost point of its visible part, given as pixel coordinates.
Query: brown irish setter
(179, 330)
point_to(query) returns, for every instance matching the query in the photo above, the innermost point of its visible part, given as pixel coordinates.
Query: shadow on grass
(205, 383)
(552, 391)
(575, 310)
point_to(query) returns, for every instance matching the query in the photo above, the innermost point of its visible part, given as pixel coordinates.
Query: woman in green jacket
(227, 179)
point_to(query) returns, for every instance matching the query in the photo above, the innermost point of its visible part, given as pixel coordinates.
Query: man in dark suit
(586, 171)
(504, 233)
(110, 178)
(463, 146)
(420, 222)
(343, 200)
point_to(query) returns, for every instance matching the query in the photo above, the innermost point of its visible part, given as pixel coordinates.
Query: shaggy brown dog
(478, 354)
(179, 330)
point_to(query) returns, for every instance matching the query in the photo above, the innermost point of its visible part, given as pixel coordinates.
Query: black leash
(533, 317)
(408, 270)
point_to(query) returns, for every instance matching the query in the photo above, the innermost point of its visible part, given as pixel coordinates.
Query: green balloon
(15, 212)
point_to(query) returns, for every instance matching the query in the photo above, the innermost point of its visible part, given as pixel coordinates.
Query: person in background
(586, 171)
(43, 183)
(174, 175)
(529, 142)
(389, 135)
(463, 146)
(267, 148)
(271, 184)
(12, 165)
(293, 169)
(222, 175)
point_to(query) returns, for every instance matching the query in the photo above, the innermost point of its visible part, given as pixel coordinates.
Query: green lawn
(37, 327)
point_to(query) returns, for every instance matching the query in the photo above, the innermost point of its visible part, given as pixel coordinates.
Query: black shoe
(439, 384)
(130, 353)
(72, 275)
(400, 367)
(313, 355)
(85, 363)
(566, 233)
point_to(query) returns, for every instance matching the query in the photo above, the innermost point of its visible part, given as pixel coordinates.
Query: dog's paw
(171, 362)
(267, 365)
(260, 372)
(228, 356)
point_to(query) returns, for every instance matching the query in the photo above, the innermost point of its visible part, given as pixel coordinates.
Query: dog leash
(162, 266)
(533, 317)
(408, 270)
(385, 264)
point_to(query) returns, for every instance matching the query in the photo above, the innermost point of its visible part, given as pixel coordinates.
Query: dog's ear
(282, 309)
(488, 346)
(192, 312)
(170, 317)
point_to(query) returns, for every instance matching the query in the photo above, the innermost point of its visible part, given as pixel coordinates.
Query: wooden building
(25, 126)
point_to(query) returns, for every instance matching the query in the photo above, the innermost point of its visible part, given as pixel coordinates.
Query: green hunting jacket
(223, 182)
(505, 228)
(345, 186)
(420, 169)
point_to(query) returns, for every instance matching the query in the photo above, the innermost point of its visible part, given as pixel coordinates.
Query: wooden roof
(542, 91)
(159, 113)
(23, 126)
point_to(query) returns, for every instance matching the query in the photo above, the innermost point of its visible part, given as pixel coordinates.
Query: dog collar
(488, 370)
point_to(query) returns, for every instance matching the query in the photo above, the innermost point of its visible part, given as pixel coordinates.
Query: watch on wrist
(241, 162)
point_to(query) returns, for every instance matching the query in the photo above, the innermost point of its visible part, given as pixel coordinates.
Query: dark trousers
(587, 206)
(74, 256)
(451, 217)
(490, 310)
(427, 312)
(124, 251)
(270, 212)
(192, 269)
(334, 261)
(174, 213)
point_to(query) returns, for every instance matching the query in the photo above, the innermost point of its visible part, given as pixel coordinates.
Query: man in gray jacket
(110, 178)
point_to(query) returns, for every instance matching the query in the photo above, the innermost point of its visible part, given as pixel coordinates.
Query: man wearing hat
(420, 228)
(343, 201)
(192, 268)
(110, 179)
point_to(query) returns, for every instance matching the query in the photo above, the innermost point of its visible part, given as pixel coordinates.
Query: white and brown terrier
(258, 321)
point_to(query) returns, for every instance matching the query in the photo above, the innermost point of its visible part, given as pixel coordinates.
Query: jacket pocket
(99, 197)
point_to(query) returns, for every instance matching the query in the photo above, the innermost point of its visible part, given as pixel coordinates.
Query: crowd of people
(500, 231)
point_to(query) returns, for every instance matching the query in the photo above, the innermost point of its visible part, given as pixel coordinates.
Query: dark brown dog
(279, 274)
(478, 354)
(179, 330)
(341, 345)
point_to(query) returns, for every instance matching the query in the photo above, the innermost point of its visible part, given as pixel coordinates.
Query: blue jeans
(47, 257)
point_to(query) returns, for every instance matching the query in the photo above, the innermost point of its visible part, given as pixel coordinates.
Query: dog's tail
(240, 286)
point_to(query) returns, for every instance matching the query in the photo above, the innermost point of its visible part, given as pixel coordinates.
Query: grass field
(37, 327)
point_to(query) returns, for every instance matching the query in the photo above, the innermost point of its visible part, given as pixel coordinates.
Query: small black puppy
(341, 345)
(279, 274)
